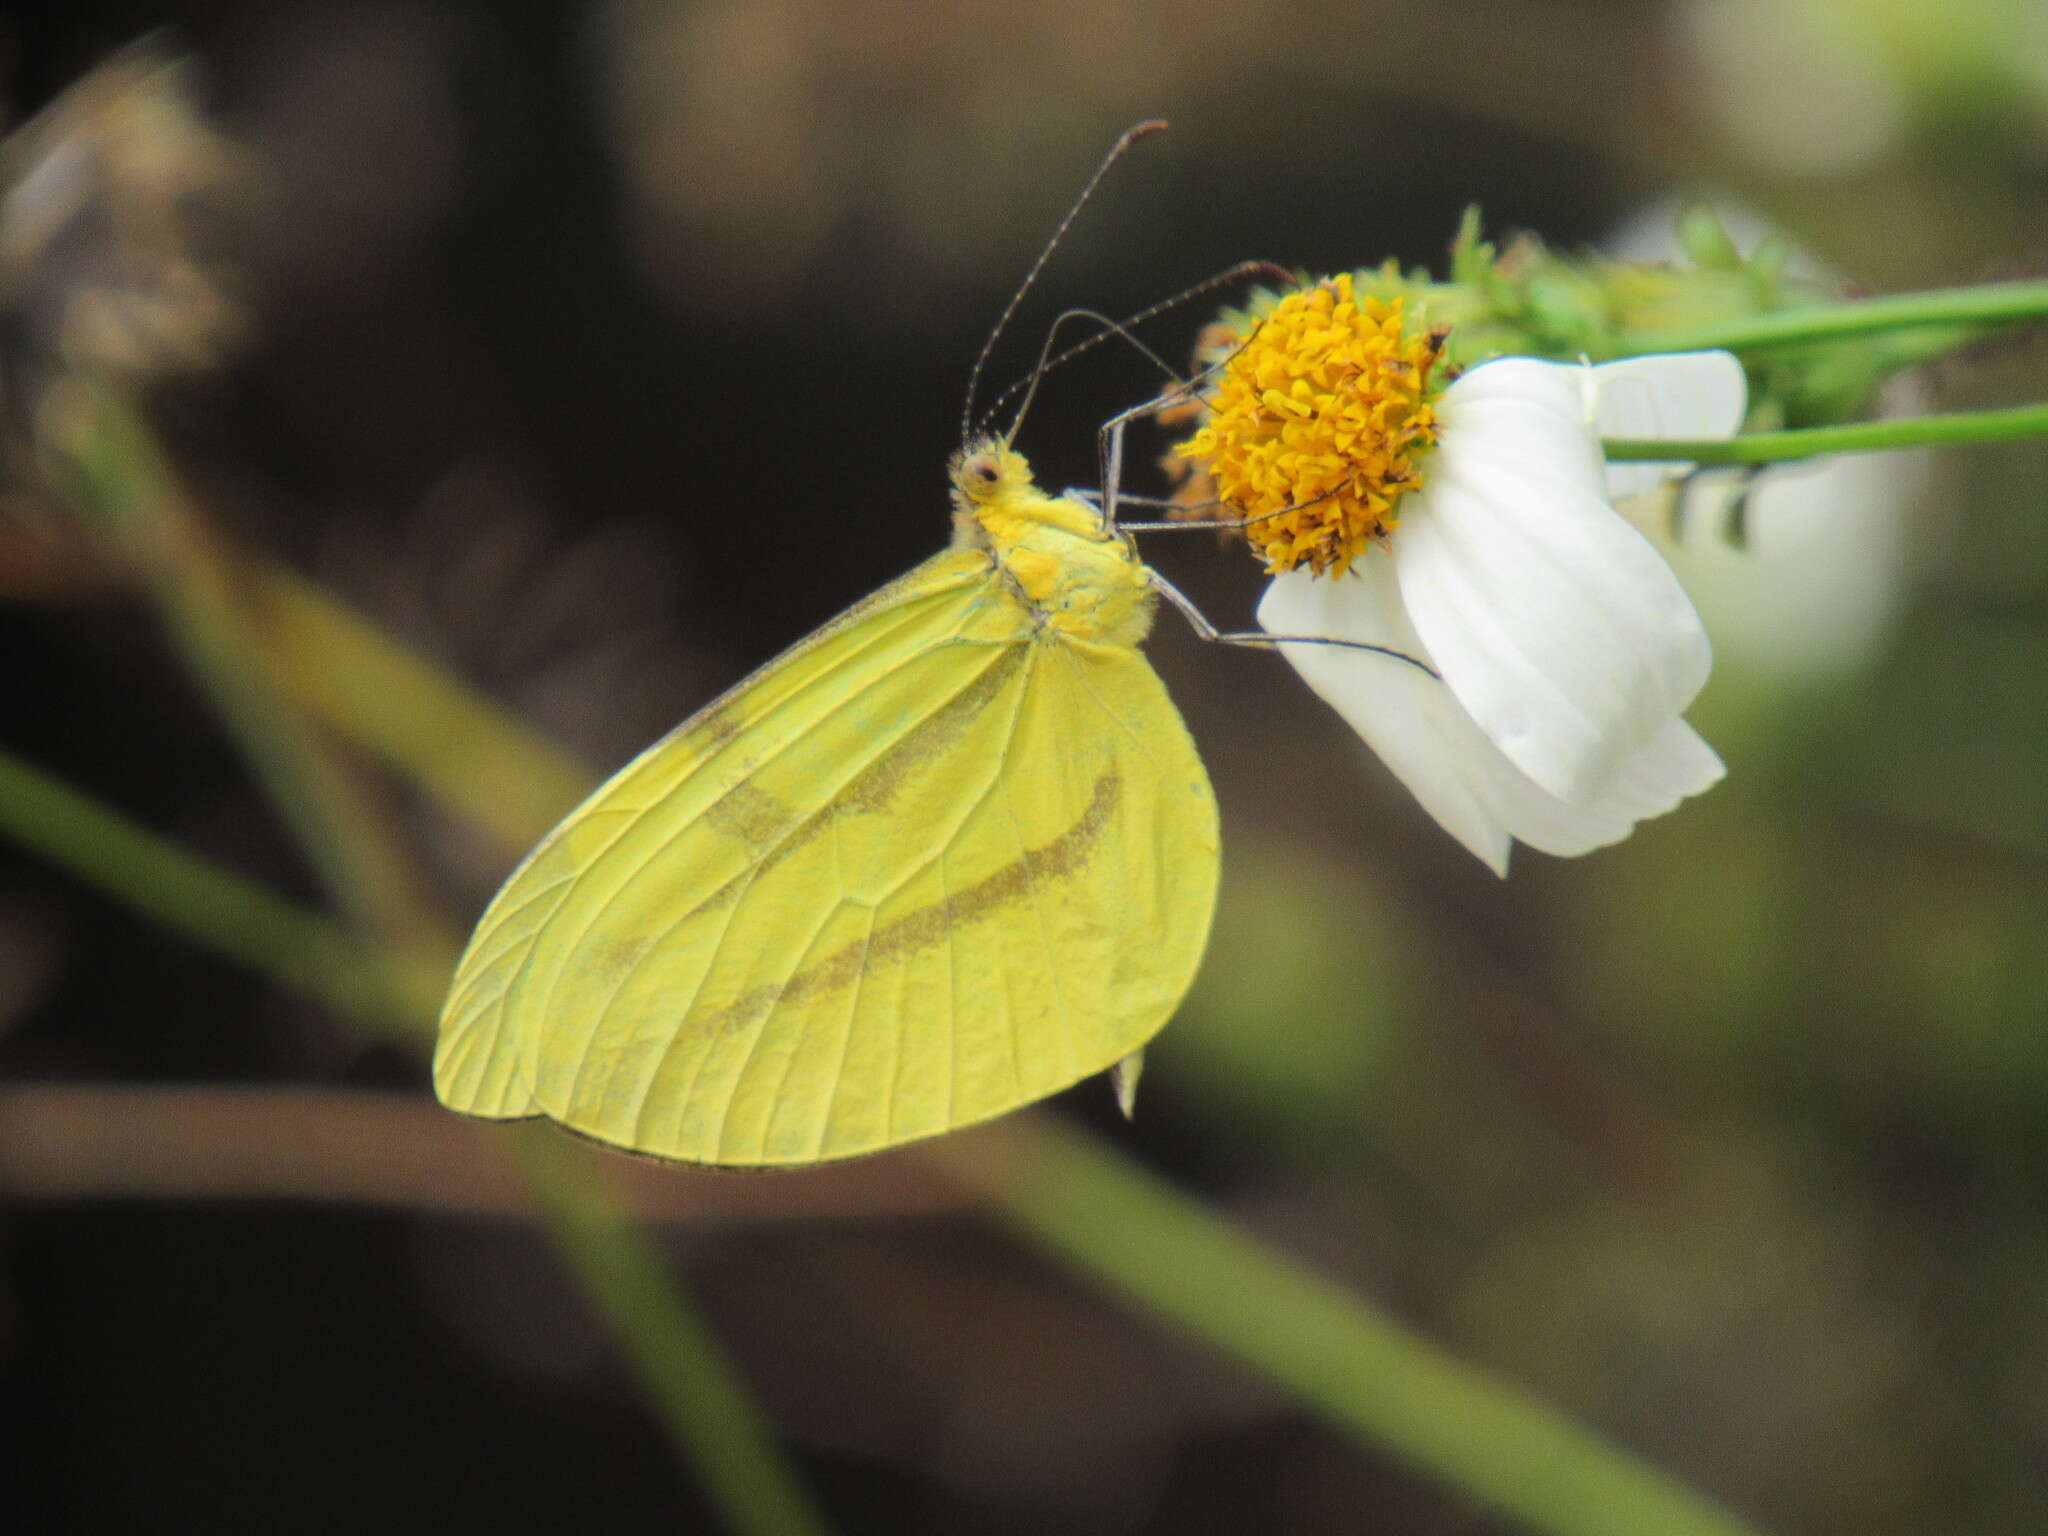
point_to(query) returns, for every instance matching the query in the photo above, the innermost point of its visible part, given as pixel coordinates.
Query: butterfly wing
(933, 864)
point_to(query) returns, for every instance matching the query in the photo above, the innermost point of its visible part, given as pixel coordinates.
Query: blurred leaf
(444, 736)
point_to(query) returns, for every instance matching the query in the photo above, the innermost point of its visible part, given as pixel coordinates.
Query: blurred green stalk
(1376, 1381)
(1940, 308)
(1358, 1366)
(423, 723)
(1950, 429)
(710, 1416)
(215, 909)
(102, 453)
(1122, 1225)
(105, 456)
(708, 1409)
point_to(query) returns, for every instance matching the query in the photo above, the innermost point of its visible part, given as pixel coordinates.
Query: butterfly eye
(981, 473)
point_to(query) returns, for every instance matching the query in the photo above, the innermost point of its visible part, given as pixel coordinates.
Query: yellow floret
(1315, 424)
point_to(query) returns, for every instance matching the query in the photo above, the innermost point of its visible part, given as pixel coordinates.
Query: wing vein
(762, 859)
(909, 609)
(832, 1094)
(762, 862)
(1037, 908)
(762, 1027)
(789, 1062)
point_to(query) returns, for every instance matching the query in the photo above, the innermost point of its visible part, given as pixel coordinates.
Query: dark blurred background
(602, 350)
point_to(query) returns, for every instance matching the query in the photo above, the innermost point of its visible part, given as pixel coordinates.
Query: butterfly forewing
(490, 1017)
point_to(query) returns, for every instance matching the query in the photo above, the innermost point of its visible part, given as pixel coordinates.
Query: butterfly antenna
(1116, 153)
(1269, 270)
(1029, 383)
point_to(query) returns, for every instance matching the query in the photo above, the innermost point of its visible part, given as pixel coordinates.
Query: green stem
(430, 727)
(1955, 427)
(213, 908)
(107, 456)
(719, 1431)
(1363, 1370)
(711, 1416)
(1984, 304)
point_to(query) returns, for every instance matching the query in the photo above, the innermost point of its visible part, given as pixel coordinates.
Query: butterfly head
(986, 473)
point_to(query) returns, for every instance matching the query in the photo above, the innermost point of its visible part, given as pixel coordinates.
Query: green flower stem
(106, 456)
(419, 719)
(720, 1432)
(1856, 437)
(213, 908)
(1983, 305)
(1364, 1371)
(244, 633)
(710, 1414)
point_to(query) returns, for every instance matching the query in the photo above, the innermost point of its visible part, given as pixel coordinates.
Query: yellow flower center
(1315, 425)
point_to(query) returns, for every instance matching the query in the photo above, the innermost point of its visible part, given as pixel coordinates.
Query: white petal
(1819, 582)
(1540, 819)
(1556, 624)
(1670, 394)
(1398, 710)
(1559, 387)
(1676, 764)
(1412, 721)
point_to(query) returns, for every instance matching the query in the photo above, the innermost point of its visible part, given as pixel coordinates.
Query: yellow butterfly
(947, 856)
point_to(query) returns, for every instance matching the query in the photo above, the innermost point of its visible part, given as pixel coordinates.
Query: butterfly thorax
(1080, 578)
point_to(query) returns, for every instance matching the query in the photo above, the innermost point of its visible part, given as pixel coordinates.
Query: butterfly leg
(1093, 497)
(1109, 445)
(1259, 639)
(1111, 495)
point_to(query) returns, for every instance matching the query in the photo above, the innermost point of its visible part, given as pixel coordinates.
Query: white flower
(1565, 650)
(1816, 588)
